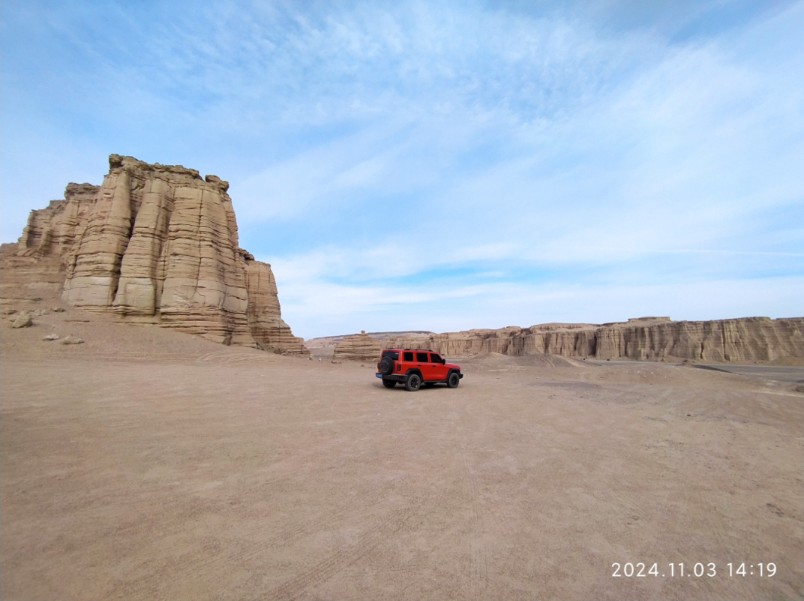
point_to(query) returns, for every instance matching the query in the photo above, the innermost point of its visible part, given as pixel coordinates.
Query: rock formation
(652, 338)
(154, 243)
(264, 316)
(359, 347)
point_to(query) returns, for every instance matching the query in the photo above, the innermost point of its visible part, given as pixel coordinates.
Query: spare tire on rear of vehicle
(386, 366)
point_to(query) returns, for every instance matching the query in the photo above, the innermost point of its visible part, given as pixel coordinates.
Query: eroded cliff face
(155, 242)
(358, 347)
(729, 340)
(654, 339)
(264, 316)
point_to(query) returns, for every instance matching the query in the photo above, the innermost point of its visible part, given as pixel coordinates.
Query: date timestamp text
(700, 569)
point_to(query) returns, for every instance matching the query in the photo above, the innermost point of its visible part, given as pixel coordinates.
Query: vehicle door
(424, 364)
(439, 370)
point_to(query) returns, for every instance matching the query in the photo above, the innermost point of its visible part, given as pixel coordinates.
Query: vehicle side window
(435, 358)
(422, 357)
(407, 356)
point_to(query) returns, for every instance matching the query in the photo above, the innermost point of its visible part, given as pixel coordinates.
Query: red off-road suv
(414, 367)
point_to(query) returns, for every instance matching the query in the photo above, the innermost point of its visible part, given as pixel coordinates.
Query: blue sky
(443, 165)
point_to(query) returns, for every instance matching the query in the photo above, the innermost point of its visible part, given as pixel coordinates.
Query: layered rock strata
(358, 347)
(263, 312)
(155, 243)
(748, 339)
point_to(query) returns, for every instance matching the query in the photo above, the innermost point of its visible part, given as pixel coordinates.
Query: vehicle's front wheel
(413, 383)
(453, 380)
(388, 383)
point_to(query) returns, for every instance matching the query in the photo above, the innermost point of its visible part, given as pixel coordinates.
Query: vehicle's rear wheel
(413, 383)
(386, 366)
(453, 380)
(388, 383)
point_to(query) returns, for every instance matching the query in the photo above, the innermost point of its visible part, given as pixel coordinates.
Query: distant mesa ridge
(153, 243)
(748, 339)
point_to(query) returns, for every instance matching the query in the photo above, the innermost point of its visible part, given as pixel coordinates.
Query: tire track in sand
(372, 536)
(479, 569)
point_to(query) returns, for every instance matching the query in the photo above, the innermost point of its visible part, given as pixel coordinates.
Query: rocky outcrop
(651, 338)
(264, 316)
(728, 340)
(35, 264)
(52, 231)
(359, 347)
(154, 243)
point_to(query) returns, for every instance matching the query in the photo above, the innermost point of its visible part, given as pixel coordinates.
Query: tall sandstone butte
(154, 243)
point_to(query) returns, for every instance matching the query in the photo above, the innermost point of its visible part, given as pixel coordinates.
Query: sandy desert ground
(145, 464)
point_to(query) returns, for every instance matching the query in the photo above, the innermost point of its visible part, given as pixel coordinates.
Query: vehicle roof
(421, 350)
